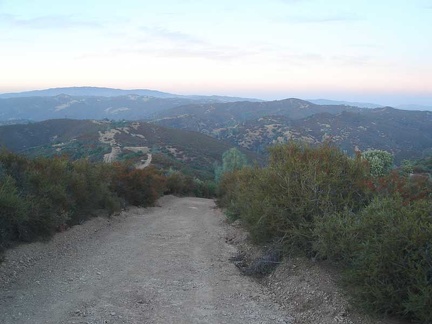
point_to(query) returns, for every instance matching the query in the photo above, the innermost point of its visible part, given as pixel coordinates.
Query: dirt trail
(165, 264)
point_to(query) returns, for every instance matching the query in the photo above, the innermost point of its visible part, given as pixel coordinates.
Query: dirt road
(166, 264)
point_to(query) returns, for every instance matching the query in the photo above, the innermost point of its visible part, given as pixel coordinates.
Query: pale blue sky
(377, 51)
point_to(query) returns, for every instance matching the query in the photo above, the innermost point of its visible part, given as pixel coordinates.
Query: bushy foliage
(179, 184)
(299, 184)
(381, 162)
(41, 196)
(138, 187)
(409, 187)
(324, 204)
(423, 165)
(387, 251)
(232, 160)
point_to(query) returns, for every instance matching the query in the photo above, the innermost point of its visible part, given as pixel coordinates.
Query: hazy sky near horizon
(358, 50)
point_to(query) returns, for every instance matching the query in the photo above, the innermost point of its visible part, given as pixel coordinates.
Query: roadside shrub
(13, 211)
(43, 195)
(300, 183)
(138, 187)
(409, 187)
(177, 183)
(204, 189)
(90, 189)
(387, 253)
(232, 160)
(229, 191)
(321, 203)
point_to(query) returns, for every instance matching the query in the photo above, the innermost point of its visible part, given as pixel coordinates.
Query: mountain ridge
(113, 92)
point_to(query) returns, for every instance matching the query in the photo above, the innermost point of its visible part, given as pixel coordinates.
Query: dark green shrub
(179, 184)
(299, 184)
(325, 204)
(13, 212)
(90, 189)
(138, 187)
(387, 251)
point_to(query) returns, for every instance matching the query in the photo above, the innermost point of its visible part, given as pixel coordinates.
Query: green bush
(232, 160)
(138, 187)
(387, 251)
(299, 184)
(380, 162)
(324, 204)
(179, 184)
(43, 195)
(13, 211)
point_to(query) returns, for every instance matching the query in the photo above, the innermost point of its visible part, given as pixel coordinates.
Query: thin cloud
(171, 44)
(293, 1)
(302, 58)
(346, 60)
(339, 18)
(48, 22)
(322, 19)
(209, 53)
(172, 36)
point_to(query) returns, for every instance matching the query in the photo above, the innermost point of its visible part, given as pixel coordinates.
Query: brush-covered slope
(208, 117)
(111, 141)
(406, 134)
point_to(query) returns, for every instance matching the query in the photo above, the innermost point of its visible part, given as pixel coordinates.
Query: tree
(380, 162)
(232, 160)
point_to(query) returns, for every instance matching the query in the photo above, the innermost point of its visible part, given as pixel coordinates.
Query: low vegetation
(41, 196)
(371, 221)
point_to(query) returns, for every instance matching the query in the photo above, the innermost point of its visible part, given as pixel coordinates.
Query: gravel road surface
(166, 264)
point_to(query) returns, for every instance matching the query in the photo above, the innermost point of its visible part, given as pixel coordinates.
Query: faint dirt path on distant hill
(146, 163)
(112, 156)
(165, 264)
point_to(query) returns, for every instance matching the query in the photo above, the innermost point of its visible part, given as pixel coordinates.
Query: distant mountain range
(110, 92)
(368, 104)
(414, 107)
(130, 107)
(95, 103)
(249, 123)
(344, 103)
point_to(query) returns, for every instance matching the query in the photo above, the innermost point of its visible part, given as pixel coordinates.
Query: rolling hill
(110, 92)
(252, 125)
(407, 134)
(206, 118)
(128, 106)
(192, 152)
